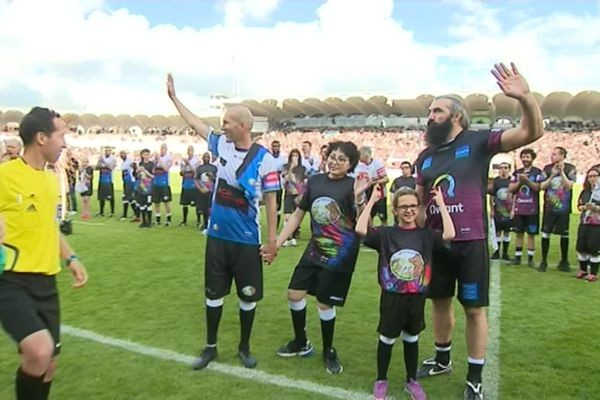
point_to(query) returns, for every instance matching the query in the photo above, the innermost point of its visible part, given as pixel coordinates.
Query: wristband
(70, 259)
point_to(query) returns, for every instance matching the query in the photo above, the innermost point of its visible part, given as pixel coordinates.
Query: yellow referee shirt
(29, 201)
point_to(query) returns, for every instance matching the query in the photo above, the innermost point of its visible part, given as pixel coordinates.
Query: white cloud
(81, 56)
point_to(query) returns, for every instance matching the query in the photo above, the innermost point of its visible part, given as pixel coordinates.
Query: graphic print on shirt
(407, 269)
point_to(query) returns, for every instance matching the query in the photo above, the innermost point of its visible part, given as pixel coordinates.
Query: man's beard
(438, 134)
(527, 164)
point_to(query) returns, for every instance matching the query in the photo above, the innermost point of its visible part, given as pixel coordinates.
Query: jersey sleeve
(373, 238)
(494, 142)
(213, 142)
(380, 169)
(268, 174)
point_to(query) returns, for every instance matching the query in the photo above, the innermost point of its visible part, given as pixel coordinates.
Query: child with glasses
(404, 268)
(588, 234)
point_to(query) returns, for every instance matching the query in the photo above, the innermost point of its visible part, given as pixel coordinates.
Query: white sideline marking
(491, 372)
(239, 372)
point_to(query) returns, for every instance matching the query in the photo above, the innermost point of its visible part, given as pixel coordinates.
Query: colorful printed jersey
(374, 170)
(502, 198)
(402, 181)
(527, 200)
(205, 175)
(460, 168)
(106, 166)
(161, 171)
(294, 184)
(144, 181)
(404, 264)
(127, 171)
(333, 243)
(188, 173)
(593, 197)
(234, 217)
(557, 198)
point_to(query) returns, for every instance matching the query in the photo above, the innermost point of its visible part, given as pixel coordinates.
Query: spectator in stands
(458, 160)
(525, 213)
(374, 171)
(558, 179)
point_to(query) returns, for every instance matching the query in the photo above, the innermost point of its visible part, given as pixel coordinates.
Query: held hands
(170, 86)
(268, 252)
(510, 81)
(79, 273)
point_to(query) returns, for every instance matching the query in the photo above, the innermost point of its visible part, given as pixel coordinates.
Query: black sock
(299, 324)
(102, 203)
(327, 329)
(384, 354)
(185, 214)
(411, 359)
(169, 218)
(206, 217)
(583, 266)
(518, 252)
(125, 209)
(213, 318)
(474, 373)
(157, 218)
(545, 249)
(112, 205)
(246, 321)
(149, 215)
(505, 245)
(197, 217)
(29, 387)
(594, 268)
(443, 356)
(137, 211)
(564, 248)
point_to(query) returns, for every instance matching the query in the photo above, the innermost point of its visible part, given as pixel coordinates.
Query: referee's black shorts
(29, 304)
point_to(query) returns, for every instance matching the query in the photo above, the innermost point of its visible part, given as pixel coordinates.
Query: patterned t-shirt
(557, 198)
(590, 196)
(333, 243)
(502, 198)
(460, 168)
(205, 176)
(404, 264)
(161, 171)
(527, 200)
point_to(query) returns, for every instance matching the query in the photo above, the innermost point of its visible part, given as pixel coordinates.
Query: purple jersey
(404, 264)
(527, 200)
(557, 198)
(460, 168)
(502, 199)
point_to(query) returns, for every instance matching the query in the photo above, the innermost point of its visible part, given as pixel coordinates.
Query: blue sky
(112, 56)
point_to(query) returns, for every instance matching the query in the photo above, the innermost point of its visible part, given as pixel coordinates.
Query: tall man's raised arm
(192, 119)
(514, 85)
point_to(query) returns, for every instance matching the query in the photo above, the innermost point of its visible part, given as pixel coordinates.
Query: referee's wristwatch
(70, 259)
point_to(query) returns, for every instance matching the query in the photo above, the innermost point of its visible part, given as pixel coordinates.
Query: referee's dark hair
(39, 119)
(348, 148)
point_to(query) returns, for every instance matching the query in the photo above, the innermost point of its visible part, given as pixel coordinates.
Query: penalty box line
(239, 372)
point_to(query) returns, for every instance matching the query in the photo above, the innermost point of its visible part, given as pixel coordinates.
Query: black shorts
(289, 203)
(279, 197)
(466, 263)
(28, 304)
(556, 223)
(329, 287)
(380, 209)
(87, 193)
(226, 261)
(106, 191)
(161, 194)
(588, 239)
(204, 201)
(502, 225)
(143, 199)
(127, 192)
(401, 312)
(188, 197)
(529, 224)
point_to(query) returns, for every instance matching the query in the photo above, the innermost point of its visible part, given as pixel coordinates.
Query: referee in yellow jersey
(33, 247)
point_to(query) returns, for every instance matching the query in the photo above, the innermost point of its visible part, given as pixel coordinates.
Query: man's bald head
(237, 124)
(242, 115)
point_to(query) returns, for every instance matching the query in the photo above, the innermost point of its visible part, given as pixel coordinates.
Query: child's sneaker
(581, 274)
(415, 390)
(380, 389)
(591, 278)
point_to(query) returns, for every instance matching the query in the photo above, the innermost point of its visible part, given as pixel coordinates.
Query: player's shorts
(466, 263)
(128, 193)
(106, 191)
(556, 223)
(289, 203)
(161, 194)
(529, 224)
(401, 312)
(503, 225)
(226, 261)
(28, 304)
(188, 197)
(329, 287)
(204, 201)
(380, 209)
(143, 199)
(588, 239)
(279, 197)
(87, 193)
